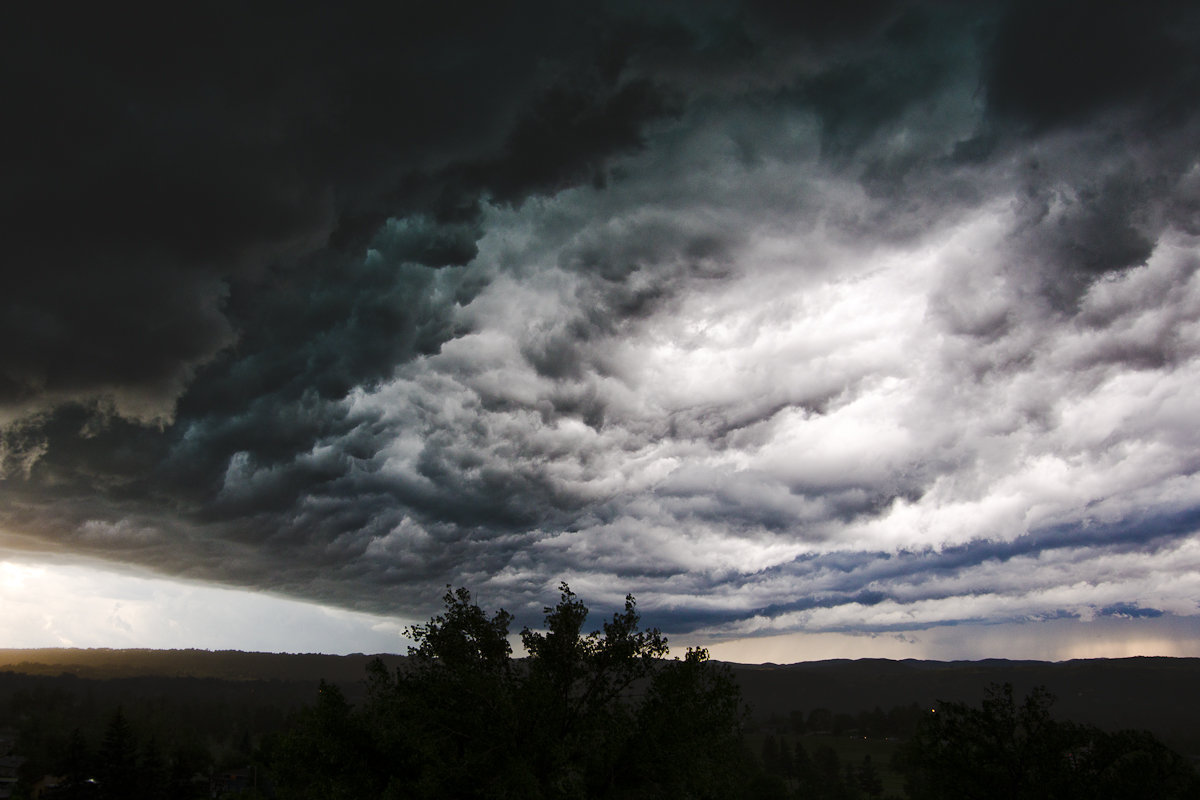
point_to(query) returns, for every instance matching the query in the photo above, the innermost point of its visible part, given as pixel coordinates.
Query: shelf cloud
(781, 317)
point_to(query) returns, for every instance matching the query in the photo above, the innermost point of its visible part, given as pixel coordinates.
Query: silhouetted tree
(689, 736)
(807, 778)
(456, 703)
(1125, 765)
(770, 754)
(787, 765)
(326, 754)
(118, 758)
(153, 780)
(75, 765)
(827, 770)
(820, 720)
(588, 715)
(1008, 750)
(576, 688)
(188, 758)
(869, 780)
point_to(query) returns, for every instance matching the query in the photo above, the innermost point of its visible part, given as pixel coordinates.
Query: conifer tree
(118, 758)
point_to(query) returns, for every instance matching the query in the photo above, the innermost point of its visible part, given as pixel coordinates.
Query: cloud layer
(779, 319)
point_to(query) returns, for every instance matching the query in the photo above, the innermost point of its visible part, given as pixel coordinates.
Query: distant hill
(224, 664)
(1156, 694)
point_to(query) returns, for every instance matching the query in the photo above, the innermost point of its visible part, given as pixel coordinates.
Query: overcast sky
(823, 331)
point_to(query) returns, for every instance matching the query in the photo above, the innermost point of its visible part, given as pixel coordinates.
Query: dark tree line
(1017, 751)
(898, 722)
(816, 771)
(137, 738)
(605, 715)
(123, 763)
(600, 714)
(587, 715)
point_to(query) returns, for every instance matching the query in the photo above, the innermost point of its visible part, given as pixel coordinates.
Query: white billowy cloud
(869, 325)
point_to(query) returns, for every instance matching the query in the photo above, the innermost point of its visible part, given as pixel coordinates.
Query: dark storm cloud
(778, 315)
(1067, 61)
(1117, 82)
(156, 163)
(872, 87)
(187, 202)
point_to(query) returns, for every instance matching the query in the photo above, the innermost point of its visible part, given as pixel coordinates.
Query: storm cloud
(781, 319)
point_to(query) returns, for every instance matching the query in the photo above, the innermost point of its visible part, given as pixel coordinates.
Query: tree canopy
(606, 714)
(1016, 750)
(589, 715)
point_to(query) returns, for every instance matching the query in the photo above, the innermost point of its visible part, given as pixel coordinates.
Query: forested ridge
(103, 663)
(598, 714)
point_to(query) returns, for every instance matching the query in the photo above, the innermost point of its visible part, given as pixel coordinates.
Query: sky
(823, 331)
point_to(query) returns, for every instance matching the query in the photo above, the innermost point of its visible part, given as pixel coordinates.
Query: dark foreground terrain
(1155, 694)
(196, 723)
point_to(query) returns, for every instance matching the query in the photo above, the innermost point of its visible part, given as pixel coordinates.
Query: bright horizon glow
(1042, 640)
(80, 605)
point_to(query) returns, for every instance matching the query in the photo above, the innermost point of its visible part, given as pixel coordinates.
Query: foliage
(1008, 750)
(189, 725)
(603, 714)
(689, 736)
(597, 714)
(324, 750)
(126, 763)
(118, 758)
(573, 693)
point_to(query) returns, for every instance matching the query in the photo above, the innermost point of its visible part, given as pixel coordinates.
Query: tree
(188, 757)
(1125, 765)
(118, 758)
(75, 765)
(153, 779)
(869, 780)
(587, 715)
(1008, 750)
(327, 752)
(689, 734)
(807, 778)
(576, 689)
(827, 773)
(463, 639)
(770, 755)
(820, 720)
(455, 703)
